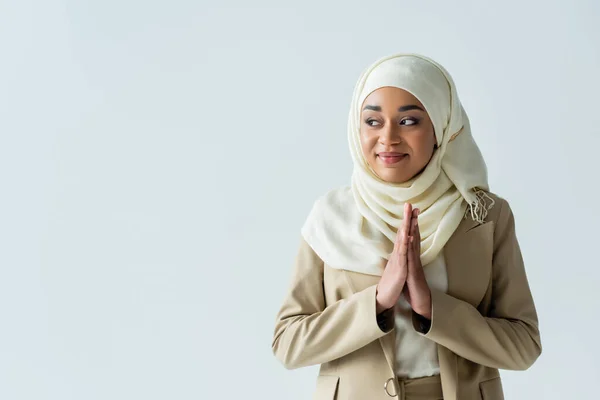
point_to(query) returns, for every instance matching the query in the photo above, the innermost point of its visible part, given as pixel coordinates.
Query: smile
(389, 160)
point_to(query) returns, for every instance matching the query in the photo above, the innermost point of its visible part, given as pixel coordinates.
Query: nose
(390, 134)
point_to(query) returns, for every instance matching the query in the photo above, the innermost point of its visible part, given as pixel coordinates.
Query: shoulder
(500, 212)
(327, 209)
(334, 199)
(498, 206)
(338, 194)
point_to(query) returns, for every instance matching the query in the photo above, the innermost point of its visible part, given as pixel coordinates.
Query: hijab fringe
(479, 207)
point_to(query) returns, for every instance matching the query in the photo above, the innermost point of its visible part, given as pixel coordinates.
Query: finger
(401, 238)
(406, 221)
(398, 239)
(415, 213)
(405, 240)
(410, 258)
(407, 217)
(403, 248)
(414, 228)
(418, 232)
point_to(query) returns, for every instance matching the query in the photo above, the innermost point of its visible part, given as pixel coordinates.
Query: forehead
(390, 97)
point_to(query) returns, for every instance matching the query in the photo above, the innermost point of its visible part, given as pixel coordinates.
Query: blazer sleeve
(508, 337)
(307, 332)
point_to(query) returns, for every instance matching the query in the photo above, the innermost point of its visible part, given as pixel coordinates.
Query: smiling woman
(409, 282)
(396, 134)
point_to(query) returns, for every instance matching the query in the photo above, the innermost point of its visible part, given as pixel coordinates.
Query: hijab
(354, 227)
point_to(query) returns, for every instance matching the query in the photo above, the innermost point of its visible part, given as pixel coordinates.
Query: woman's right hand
(394, 275)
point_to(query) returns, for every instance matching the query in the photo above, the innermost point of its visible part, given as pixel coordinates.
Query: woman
(409, 283)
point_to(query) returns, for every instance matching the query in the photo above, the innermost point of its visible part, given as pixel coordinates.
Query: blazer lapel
(388, 341)
(468, 255)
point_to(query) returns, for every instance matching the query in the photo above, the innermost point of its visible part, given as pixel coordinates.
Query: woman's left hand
(416, 290)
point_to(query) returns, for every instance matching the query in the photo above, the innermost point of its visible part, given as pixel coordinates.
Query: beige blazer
(485, 321)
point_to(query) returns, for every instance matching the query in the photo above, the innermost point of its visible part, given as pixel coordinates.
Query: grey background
(157, 160)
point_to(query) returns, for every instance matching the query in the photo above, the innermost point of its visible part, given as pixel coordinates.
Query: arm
(308, 333)
(509, 337)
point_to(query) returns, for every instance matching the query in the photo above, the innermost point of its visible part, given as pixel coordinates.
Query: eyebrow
(401, 109)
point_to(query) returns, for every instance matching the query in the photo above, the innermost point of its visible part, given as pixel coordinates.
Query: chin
(394, 178)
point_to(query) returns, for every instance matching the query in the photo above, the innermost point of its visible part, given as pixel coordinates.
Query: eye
(413, 121)
(371, 122)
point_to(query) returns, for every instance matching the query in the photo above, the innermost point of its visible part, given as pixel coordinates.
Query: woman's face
(396, 134)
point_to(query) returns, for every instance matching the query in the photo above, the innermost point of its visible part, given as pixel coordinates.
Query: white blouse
(416, 356)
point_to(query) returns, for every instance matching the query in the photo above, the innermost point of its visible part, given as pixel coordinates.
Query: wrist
(426, 309)
(380, 308)
(425, 314)
(381, 304)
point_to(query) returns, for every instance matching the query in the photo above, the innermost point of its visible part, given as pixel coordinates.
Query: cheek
(367, 143)
(422, 145)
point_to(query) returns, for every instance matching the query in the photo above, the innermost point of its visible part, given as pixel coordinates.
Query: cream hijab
(354, 227)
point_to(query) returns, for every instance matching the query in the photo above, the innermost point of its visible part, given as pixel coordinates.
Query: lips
(391, 157)
(390, 154)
